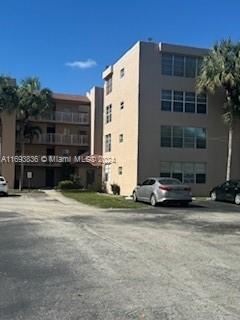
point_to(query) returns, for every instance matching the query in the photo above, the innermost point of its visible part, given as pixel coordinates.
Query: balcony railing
(59, 116)
(61, 139)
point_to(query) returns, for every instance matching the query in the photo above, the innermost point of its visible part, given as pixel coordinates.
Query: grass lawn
(101, 200)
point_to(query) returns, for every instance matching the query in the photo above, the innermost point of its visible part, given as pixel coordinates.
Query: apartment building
(155, 124)
(69, 130)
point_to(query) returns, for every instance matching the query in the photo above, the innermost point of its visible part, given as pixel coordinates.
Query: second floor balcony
(64, 117)
(61, 139)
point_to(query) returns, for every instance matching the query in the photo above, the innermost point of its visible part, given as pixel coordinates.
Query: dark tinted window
(145, 183)
(151, 182)
(190, 70)
(178, 66)
(169, 181)
(200, 178)
(167, 64)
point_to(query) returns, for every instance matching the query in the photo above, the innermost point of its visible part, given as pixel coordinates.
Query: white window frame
(108, 142)
(108, 114)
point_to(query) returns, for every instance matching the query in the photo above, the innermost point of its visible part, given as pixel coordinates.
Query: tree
(221, 70)
(27, 100)
(33, 101)
(8, 94)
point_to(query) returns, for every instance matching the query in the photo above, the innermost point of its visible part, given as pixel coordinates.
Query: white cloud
(89, 63)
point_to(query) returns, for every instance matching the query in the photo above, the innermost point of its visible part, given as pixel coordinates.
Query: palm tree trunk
(22, 163)
(229, 159)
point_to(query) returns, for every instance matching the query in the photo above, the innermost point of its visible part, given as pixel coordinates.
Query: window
(189, 137)
(122, 105)
(178, 101)
(200, 170)
(166, 102)
(109, 113)
(183, 137)
(190, 67)
(167, 64)
(190, 102)
(177, 137)
(145, 183)
(165, 169)
(121, 138)
(181, 66)
(201, 103)
(122, 72)
(109, 85)
(166, 136)
(186, 172)
(107, 171)
(199, 65)
(108, 143)
(151, 182)
(120, 170)
(178, 66)
(201, 138)
(177, 171)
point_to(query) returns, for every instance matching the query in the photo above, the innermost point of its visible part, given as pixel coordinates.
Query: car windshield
(169, 181)
(2, 179)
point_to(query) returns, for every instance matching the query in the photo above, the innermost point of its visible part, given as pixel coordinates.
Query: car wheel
(213, 196)
(153, 200)
(237, 199)
(135, 199)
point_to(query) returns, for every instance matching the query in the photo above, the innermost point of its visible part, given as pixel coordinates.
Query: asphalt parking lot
(62, 260)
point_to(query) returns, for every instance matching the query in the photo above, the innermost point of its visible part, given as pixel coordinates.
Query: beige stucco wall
(140, 122)
(123, 121)
(151, 119)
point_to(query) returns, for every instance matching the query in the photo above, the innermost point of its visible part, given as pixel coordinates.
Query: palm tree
(221, 70)
(8, 94)
(27, 100)
(33, 101)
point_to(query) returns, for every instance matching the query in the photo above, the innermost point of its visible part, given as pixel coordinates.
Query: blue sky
(67, 43)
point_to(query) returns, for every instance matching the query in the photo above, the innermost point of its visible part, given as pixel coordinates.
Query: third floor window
(180, 65)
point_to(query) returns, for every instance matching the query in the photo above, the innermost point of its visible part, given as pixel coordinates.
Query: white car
(3, 186)
(156, 190)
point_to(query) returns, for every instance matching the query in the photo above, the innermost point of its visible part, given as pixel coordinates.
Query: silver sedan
(156, 190)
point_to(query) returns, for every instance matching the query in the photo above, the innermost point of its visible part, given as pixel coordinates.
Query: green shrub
(68, 184)
(115, 189)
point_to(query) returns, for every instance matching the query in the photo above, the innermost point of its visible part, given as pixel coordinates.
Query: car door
(223, 191)
(231, 191)
(142, 190)
(149, 189)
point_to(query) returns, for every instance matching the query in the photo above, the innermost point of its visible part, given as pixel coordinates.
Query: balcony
(61, 139)
(64, 117)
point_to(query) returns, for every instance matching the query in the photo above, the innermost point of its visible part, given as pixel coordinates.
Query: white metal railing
(57, 138)
(59, 116)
